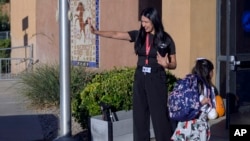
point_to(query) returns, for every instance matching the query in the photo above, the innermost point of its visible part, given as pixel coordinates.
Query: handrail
(11, 68)
(17, 47)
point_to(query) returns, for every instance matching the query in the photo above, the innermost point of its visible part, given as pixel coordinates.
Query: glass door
(233, 58)
(240, 59)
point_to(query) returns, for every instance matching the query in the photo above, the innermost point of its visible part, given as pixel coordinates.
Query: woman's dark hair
(160, 35)
(202, 68)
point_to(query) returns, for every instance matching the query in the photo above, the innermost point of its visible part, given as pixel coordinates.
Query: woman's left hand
(163, 61)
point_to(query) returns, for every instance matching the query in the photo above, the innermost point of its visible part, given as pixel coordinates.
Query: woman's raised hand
(92, 29)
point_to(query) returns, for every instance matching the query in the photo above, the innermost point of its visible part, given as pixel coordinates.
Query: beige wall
(20, 10)
(123, 16)
(44, 35)
(176, 19)
(47, 31)
(203, 30)
(41, 31)
(191, 23)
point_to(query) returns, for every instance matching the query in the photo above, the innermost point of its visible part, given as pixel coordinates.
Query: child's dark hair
(202, 68)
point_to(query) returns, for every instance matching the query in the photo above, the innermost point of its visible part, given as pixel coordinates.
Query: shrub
(5, 44)
(42, 85)
(88, 89)
(5, 53)
(79, 78)
(171, 81)
(112, 87)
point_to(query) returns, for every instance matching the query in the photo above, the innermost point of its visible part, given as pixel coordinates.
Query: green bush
(88, 89)
(42, 85)
(5, 44)
(171, 81)
(79, 78)
(5, 53)
(112, 87)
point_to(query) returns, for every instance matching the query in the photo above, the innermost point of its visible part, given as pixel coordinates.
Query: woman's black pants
(150, 99)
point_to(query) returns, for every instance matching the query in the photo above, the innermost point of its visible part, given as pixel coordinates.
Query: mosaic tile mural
(84, 44)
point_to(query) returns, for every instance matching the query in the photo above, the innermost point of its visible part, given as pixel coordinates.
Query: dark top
(152, 61)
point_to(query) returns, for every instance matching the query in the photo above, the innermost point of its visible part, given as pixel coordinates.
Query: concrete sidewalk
(17, 122)
(218, 129)
(20, 123)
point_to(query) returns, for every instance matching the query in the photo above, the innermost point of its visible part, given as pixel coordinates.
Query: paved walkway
(218, 129)
(17, 122)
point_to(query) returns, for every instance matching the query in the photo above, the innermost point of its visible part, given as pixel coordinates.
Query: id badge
(146, 69)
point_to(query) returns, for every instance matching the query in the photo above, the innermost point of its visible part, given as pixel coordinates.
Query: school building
(215, 29)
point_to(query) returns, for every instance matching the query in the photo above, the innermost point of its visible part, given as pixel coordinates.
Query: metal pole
(218, 42)
(228, 11)
(64, 45)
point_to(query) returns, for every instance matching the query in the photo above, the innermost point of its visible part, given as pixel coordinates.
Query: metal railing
(12, 68)
(4, 35)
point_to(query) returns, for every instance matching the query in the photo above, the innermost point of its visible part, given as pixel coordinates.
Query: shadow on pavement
(219, 131)
(26, 127)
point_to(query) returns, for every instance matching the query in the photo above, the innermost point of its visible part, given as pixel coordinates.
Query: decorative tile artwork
(84, 44)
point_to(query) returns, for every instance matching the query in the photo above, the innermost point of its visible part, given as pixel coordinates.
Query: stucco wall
(21, 9)
(176, 19)
(23, 25)
(47, 31)
(203, 30)
(117, 15)
(43, 29)
(33, 22)
(191, 23)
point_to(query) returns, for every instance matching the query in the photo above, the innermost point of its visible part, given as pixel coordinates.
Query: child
(199, 129)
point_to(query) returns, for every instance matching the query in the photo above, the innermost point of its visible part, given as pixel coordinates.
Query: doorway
(241, 51)
(233, 55)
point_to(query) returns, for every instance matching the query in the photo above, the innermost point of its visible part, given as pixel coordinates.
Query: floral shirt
(197, 129)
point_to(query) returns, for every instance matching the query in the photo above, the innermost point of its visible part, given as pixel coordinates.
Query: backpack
(183, 101)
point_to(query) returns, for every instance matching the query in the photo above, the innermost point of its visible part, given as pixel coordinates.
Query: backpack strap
(209, 90)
